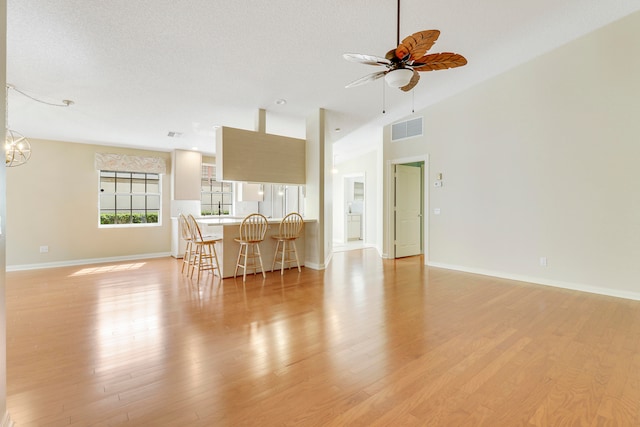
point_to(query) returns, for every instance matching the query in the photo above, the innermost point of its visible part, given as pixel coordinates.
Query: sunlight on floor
(349, 246)
(107, 269)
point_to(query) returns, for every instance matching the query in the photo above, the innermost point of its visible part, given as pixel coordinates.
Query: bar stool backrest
(291, 226)
(196, 234)
(253, 228)
(185, 230)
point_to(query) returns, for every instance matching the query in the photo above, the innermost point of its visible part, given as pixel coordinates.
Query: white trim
(151, 224)
(317, 266)
(313, 266)
(71, 263)
(540, 281)
(327, 260)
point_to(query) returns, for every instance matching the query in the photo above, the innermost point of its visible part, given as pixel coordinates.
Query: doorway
(408, 224)
(353, 215)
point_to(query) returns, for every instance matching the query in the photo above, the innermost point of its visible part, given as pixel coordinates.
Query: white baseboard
(541, 281)
(71, 263)
(314, 266)
(317, 266)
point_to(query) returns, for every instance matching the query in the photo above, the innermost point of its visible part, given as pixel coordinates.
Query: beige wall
(53, 200)
(542, 162)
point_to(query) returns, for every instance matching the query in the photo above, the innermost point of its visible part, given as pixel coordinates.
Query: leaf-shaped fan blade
(366, 59)
(417, 44)
(439, 61)
(412, 83)
(367, 79)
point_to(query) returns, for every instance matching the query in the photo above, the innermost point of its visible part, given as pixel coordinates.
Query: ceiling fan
(405, 61)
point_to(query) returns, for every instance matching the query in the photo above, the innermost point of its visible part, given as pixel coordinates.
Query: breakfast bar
(228, 229)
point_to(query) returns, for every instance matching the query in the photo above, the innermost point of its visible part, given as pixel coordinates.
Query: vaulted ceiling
(137, 70)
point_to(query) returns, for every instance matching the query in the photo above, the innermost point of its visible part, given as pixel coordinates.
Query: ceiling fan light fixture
(399, 78)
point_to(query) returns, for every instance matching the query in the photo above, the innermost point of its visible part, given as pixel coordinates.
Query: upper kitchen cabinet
(244, 155)
(186, 175)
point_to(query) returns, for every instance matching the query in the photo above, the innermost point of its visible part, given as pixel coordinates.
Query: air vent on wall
(406, 129)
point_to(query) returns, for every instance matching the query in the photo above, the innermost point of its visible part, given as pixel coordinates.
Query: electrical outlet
(44, 249)
(543, 261)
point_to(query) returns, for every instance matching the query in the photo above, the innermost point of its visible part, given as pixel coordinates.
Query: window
(216, 197)
(129, 198)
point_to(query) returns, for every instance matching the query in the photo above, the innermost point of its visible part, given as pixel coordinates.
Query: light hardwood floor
(366, 342)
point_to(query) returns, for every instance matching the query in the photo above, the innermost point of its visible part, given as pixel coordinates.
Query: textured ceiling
(137, 70)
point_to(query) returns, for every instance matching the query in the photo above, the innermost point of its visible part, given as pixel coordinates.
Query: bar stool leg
(260, 258)
(295, 252)
(215, 258)
(194, 260)
(235, 273)
(246, 255)
(284, 254)
(186, 259)
(275, 256)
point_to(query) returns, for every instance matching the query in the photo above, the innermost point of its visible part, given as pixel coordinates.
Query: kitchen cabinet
(354, 226)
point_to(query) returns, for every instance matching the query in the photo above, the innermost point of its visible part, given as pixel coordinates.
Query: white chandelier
(17, 148)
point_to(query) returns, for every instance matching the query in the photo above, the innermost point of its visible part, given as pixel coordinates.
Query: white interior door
(408, 212)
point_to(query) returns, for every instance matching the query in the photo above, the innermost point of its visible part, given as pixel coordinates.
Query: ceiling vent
(407, 129)
(174, 134)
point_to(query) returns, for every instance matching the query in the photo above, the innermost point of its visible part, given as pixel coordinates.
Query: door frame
(390, 211)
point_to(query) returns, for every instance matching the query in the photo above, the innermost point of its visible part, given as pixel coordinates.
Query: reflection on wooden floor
(366, 342)
(351, 245)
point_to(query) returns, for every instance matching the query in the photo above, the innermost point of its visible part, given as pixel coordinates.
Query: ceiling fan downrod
(398, 25)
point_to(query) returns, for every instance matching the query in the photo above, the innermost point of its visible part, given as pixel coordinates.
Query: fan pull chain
(413, 101)
(384, 103)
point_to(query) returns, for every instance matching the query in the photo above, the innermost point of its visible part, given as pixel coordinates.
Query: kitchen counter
(227, 220)
(228, 228)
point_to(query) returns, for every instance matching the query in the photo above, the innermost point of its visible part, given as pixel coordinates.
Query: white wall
(542, 161)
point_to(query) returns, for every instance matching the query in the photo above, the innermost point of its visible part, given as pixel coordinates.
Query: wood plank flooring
(368, 342)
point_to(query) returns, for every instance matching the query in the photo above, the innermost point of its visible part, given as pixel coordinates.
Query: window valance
(125, 163)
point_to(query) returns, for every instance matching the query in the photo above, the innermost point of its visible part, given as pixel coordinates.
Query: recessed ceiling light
(281, 101)
(337, 129)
